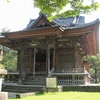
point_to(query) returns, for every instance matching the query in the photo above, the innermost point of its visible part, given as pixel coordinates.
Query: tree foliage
(9, 59)
(9, 56)
(70, 7)
(94, 60)
(8, 0)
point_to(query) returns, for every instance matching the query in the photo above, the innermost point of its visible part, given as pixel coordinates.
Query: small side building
(48, 49)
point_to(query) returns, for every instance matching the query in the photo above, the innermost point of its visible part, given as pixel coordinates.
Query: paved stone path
(12, 95)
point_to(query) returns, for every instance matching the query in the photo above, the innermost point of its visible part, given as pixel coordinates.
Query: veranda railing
(69, 70)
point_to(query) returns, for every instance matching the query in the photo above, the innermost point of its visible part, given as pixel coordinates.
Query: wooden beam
(76, 32)
(88, 45)
(33, 33)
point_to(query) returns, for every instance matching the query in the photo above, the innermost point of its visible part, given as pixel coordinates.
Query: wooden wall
(65, 58)
(78, 60)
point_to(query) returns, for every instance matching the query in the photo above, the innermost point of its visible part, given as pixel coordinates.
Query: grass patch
(64, 96)
(98, 82)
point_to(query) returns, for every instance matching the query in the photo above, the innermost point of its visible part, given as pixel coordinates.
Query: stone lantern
(2, 72)
(3, 95)
(1, 54)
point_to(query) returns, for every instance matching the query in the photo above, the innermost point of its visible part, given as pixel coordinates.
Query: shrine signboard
(51, 84)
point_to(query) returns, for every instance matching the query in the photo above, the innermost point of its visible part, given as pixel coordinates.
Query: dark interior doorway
(41, 61)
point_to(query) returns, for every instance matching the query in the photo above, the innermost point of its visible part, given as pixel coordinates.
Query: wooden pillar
(47, 60)
(30, 66)
(18, 61)
(34, 61)
(75, 59)
(54, 58)
(21, 66)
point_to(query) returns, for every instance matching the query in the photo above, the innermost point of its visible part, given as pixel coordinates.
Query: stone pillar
(1, 54)
(3, 95)
(0, 83)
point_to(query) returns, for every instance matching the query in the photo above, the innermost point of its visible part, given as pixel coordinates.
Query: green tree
(9, 59)
(8, 0)
(66, 8)
(5, 30)
(94, 60)
(9, 56)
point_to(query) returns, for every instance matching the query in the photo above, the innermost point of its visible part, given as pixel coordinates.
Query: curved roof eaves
(83, 25)
(14, 32)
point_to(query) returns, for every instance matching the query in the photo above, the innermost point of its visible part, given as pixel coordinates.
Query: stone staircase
(23, 88)
(30, 84)
(37, 80)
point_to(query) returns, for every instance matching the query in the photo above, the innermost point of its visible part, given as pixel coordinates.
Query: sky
(16, 14)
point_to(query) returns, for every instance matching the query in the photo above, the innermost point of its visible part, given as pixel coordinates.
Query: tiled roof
(31, 22)
(67, 22)
(63, 22)
(83, 24)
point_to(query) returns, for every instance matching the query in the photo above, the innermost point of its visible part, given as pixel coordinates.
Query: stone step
(37, 80)
(34, 79)
(21, 95)
(22, 88)
(34, 83)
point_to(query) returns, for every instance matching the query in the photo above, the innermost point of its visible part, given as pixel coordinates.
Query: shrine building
(54, 49)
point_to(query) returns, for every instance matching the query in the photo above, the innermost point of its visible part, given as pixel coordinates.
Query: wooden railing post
(73, 79)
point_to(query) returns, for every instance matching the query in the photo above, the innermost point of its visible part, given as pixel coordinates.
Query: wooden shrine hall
(54, 49)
